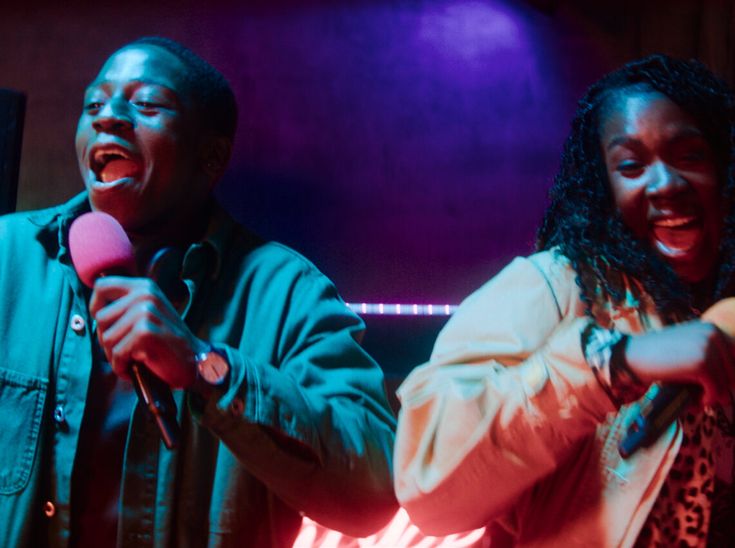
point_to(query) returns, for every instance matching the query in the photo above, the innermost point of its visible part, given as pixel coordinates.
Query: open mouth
(677, 234)
(111, 164)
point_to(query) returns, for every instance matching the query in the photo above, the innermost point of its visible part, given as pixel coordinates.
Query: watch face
(213, 367)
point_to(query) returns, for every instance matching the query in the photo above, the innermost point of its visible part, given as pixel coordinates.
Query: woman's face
(664, 179)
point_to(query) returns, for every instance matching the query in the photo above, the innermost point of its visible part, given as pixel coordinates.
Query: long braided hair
(582, 221)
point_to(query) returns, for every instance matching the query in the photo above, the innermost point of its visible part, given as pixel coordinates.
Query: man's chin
(119, 209)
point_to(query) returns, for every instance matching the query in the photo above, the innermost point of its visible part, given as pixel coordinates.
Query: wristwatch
(212, 370)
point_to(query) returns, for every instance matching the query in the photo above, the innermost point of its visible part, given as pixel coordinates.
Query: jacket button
(49, 509)
(59, 415)
(77, 324)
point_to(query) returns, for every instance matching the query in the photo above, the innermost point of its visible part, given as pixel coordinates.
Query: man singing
(281, 412)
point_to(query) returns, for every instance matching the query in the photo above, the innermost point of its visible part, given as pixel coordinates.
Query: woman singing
(516, 421)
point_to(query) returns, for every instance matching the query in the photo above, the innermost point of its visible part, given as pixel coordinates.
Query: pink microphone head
(99, 246)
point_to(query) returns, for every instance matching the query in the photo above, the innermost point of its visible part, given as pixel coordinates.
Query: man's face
(137, 143)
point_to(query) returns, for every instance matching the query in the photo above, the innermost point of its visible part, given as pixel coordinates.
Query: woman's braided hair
(582, 221)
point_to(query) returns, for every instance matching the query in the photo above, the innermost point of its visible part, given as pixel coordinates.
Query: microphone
(100, 247)
(663, 403)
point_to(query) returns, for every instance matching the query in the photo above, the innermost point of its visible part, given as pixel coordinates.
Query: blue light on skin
(141, 106)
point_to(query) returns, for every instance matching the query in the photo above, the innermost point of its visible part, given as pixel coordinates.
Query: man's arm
(304, 408)
(315, 427)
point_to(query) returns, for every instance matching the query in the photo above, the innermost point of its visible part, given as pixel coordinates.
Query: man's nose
(665, 181)
(112, 117)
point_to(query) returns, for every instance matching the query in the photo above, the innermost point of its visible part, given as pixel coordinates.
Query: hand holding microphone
(141, 333)
(688, 361)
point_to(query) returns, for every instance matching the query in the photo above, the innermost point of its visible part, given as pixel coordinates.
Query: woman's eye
(147, 104)
(693, 156)
(93, 105)
(629, 167)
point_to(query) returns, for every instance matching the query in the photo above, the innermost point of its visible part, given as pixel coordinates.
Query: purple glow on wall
(469, 32)
(405, 147)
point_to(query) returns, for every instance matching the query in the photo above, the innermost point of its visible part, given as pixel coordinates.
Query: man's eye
(146, 105)
(93, 105)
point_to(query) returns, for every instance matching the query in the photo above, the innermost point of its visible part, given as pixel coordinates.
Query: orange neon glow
(399, 533)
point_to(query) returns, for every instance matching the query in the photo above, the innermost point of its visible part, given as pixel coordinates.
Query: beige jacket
(508, 426)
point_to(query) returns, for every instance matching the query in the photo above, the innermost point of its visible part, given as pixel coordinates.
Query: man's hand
(136, 322)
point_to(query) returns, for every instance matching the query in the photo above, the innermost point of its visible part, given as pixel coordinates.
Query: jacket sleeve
(501, 403)
(306, 410)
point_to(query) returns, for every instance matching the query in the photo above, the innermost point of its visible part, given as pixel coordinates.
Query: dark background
(406, 147)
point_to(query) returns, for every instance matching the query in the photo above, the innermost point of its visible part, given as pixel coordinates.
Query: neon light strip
(385, 309)
(399, 533)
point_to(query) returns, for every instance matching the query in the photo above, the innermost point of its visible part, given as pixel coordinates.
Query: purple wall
(405, 147)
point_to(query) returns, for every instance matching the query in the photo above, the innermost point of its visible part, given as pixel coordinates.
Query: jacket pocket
(22, 398)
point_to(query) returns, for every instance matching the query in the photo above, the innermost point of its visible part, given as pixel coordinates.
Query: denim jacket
(303, 427)
(508, 426)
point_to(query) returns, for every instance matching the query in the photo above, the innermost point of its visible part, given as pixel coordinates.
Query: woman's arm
(503, 400)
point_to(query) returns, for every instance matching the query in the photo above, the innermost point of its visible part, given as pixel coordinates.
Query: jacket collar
(54, 222)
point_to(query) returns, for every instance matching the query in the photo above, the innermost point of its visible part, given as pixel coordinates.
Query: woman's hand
(695, 352)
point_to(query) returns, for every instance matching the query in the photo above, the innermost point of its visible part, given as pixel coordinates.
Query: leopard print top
(695, 506)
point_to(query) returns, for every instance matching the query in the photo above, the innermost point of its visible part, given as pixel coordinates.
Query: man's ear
(215, 156)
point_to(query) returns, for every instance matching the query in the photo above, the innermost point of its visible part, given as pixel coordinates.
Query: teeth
(674, 222)
(103, 156)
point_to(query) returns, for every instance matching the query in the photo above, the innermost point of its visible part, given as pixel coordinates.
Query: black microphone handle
(661, 406)
(158, 399)
(152, 391)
